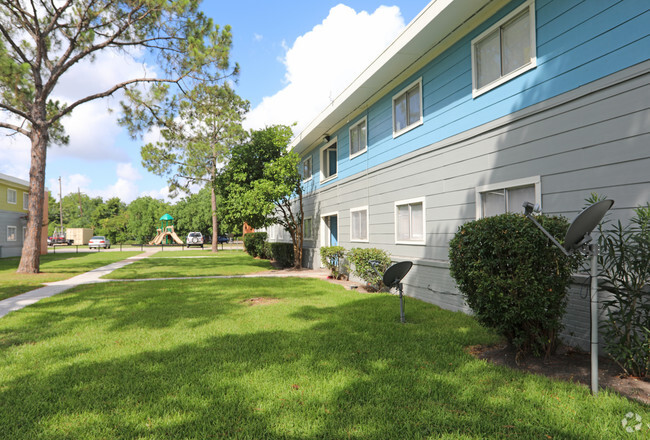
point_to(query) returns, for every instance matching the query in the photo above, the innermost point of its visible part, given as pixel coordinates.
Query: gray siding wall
(592, 139)
(11, 248)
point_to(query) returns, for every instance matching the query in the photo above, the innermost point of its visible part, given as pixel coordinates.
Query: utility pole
(60, 206)
(81, 211)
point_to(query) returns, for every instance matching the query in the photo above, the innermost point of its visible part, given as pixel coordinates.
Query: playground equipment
(166, 232)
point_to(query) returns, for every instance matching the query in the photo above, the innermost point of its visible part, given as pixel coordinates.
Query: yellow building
(14, 201)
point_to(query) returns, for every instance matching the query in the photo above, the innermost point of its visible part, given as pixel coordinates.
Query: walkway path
(19, 301)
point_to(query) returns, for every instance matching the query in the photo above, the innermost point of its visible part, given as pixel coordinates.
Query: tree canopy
(41, 40)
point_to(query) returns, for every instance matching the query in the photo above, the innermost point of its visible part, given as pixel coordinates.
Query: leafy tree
(193, 213)
(41, 40)
(143, 218)
(198, 129)
(265, 186)
(114, 227)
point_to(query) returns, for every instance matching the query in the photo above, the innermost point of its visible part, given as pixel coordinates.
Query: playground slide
(175, 237)
(157, 238)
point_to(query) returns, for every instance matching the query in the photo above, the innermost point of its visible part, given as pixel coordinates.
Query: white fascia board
(433, 25)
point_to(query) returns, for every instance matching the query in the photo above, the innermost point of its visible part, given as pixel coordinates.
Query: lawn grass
(54, 267)
(191, 264)
(194, 360)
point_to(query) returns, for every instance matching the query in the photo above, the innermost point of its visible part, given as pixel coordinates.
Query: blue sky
(294, 57)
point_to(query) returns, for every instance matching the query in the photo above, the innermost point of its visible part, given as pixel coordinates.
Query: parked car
(99, 241)
(194, 239)
(222, 239)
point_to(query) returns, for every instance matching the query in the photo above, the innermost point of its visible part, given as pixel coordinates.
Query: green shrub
(513, 278)
(360, 259)
(625, 260)
(254, 244)
(282, 253)
(332, 258)
(266, 252)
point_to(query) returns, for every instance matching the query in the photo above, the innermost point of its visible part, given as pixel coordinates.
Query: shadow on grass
(307, 367)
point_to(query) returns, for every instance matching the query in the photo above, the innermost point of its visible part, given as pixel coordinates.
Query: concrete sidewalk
(51, 289)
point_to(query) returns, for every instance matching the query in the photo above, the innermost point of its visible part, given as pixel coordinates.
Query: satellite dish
(578, 233)
(394, 274)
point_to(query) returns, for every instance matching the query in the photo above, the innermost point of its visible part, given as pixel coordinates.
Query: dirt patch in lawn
(261, 301)
(570, 365)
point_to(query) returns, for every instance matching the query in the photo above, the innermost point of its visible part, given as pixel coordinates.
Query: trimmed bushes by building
(254, 244)
(360, 259)
(332, 258)
(282, 253)
(513, 278)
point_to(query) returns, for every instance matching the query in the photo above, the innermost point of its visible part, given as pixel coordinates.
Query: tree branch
(15, 111)
(14, 128)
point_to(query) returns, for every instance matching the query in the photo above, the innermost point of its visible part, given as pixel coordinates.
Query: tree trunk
(30, 259)
(215, 224)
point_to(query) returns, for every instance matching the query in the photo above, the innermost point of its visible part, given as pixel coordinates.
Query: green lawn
(54, 267)
(192, 263)
(194, 360)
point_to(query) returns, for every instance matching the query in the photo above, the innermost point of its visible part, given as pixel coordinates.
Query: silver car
(99, 241)
(195, 239)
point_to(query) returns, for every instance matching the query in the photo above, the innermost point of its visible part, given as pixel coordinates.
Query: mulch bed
(570, 365)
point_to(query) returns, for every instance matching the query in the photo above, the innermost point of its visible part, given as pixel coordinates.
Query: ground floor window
(11, 233)
(508, 196)
(410, 221)
(307, 228)
(359, 224)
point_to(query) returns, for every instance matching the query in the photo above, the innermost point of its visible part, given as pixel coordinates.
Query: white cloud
(162, 193)
(321, 63)
(257, 37)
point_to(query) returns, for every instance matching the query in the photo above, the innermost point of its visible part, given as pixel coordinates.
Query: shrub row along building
(478, 106)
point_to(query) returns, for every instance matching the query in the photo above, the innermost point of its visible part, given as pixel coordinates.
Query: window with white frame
(410, 221)
(306, 169)
(505, 50)
(12, 196)
(328, 161)
(358, 138)
(11, 233)
(508, 196)
(25, 200)
(359, 224)
(24, 233)
(407, 108)
(307, 228)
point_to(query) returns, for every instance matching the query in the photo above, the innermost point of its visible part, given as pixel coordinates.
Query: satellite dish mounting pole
(593, 250)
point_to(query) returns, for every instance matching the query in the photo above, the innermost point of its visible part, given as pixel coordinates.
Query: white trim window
(308, 228)
(509, 196)
(328, 161)
(11, 233)
(359, 224)
(307, 169)
(25, 201)
(24, 233)
(12, 196)
(504, 51)
(407, 108)
(359, 138)
(410, 221)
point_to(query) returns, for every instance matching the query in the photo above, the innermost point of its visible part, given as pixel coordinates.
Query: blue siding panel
(577, 42)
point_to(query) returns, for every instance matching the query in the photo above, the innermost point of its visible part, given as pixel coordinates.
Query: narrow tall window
(25, 201)
(12, 196)
(306, 168)
(407, 108)
(307, 228)
(328, 161)
(359, 224)
(358, 138)
(409, 221)
(505, 50)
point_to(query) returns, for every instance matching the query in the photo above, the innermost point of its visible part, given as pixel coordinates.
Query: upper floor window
(359, 224)
(25, 201)
(306, 169)
(505, 50)
(407, 108)
(508, 196)
(410, 221)
(12, 196)
(328, 161)
(358, 138)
